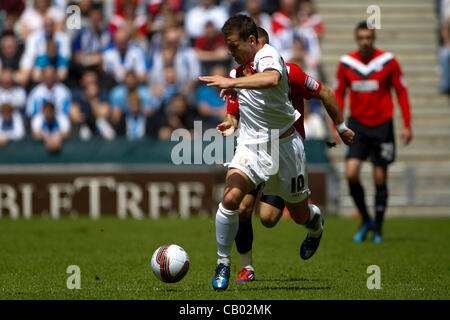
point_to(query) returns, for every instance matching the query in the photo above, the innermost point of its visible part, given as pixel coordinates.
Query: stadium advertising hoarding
(135, 194)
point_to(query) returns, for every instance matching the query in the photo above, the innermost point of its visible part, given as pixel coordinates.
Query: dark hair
(363, 26)
(242, 24)
(48, 104)
(263, 34)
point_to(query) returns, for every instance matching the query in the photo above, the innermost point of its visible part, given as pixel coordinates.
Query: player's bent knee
(232, 199)
(269, 222)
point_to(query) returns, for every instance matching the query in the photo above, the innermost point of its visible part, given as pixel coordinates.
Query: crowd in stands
(130, 68)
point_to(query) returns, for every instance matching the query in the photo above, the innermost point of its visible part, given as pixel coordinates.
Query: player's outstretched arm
(261, 80)
(331, 105)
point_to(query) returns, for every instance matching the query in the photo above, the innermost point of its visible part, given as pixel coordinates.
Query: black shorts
(273, 200)
(377, 142)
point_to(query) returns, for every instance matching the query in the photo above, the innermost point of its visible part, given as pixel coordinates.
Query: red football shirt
(302, 87)
(370, 83)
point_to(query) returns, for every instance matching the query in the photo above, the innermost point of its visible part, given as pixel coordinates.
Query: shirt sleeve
(399, 83)
(303, 84)
(268, 59)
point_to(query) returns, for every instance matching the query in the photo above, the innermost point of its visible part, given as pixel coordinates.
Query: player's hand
(347, 136)
(406, 135)
(217, 81)
(225, 128)
(231, 94)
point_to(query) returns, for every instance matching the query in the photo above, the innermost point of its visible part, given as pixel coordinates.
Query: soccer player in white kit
(269, 149)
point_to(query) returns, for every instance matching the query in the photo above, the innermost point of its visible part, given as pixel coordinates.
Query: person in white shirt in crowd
(49, 90)
(315, 127)
(133, 123)
(32, 19)
(124, 56)
(172, 51)
(198, 16)
(11, 94)
(286, 27)
(91, 40)
(51, 127)
(36, 45)
(11, 124)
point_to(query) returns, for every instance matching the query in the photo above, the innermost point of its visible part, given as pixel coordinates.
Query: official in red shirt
(369, 74)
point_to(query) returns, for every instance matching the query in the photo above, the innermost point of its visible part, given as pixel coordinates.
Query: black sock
(381, 197)
(357, 193)
(244, 236)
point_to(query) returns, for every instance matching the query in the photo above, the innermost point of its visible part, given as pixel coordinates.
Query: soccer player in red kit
(270, 207)
(370, 73)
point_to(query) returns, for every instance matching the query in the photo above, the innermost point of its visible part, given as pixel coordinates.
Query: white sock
(246, 260)
(227, 224)
(315, 230)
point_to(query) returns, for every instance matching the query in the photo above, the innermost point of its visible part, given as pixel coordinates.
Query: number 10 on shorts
(297, 184)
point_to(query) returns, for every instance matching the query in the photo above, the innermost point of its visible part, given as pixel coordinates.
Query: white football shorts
(284, 172)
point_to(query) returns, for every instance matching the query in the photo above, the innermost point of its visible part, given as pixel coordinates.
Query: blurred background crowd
(130, 67)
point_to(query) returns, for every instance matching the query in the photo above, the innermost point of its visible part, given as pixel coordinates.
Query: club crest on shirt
(311, 84)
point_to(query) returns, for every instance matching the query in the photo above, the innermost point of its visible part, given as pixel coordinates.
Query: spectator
(310, 19)
(50, 58)
(254, 8)
(286, 27)
(91, 40)
(314, 123)
(175, 115)
(134, 123)
(124, 56)
(33, 18)
(10, 52)
(11, 125)
(444, 55)
(48, 91)
(90, 109)
(164, 13)
(11, 94)
(209, 103)
(127, 17)
(198, 16)
(36, 45)
(118, 97)
(182, 57)
(51, 127)
(210, 48)
(12, 10)
(170, 86)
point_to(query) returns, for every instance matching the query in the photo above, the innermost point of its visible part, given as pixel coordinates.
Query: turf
(114, 258)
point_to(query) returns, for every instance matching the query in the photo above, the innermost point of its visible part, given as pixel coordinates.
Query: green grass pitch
(114, 258)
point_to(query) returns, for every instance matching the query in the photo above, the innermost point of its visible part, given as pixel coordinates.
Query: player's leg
(308, 215)
(382, 155)
(356, 153)
(244, 236)
(381, 196)
(293, 169)
(270, 209)
(237, 185)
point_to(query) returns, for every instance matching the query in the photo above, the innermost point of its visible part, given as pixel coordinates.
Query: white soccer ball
(170, 263)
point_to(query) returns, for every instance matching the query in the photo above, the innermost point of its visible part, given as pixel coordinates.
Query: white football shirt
(263, 110)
